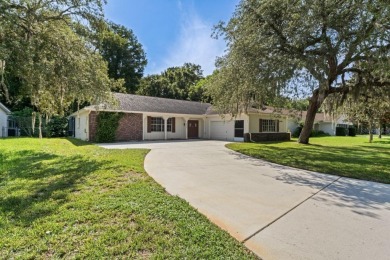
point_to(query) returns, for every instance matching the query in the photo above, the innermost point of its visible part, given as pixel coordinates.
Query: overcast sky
(173, 32)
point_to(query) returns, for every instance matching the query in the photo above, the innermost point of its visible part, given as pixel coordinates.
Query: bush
(352, 131)
(318, 133)
(341, 131)
(107, 123)
(297, 132)
(57, 127)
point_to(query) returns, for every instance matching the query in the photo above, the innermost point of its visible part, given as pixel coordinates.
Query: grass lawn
(63, 198)
(352, 157)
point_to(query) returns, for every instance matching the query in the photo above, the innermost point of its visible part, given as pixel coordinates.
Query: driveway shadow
(360, 197)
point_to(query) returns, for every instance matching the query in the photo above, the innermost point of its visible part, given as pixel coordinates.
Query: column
(144, 126)
(165, 127)
(186, 126)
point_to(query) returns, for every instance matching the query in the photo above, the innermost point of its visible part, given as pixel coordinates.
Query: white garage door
(221, 130)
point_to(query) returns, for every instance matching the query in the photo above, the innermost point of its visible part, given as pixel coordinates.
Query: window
(157, 124)
(342, 125)
(267, 125)
(12, 124)
(239, 128)
(169, 125)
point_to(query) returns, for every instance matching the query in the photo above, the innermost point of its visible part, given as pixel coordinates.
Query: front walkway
(276, 211)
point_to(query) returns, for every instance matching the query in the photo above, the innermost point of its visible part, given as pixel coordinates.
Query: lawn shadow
(350, 162)
(78, 142)
(41, 182)
(381, 141)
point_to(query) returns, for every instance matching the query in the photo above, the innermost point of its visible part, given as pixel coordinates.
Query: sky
(173, 32)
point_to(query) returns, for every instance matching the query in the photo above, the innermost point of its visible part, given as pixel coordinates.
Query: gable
(4, 109)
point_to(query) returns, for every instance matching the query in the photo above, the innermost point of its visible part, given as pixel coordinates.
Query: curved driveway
(278, 212)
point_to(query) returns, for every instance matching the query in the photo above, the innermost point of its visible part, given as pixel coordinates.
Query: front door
(193, 129)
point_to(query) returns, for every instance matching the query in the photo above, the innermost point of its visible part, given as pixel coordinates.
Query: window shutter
(260, 125)
(173, 124)
(277, 125)
(149, 121)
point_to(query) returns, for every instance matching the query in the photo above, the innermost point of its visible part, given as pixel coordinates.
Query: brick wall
(130, 128)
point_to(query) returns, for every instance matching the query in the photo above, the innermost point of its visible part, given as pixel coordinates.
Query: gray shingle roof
(129, 102)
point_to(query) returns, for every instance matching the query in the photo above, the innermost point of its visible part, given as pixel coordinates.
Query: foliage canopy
(286, 48)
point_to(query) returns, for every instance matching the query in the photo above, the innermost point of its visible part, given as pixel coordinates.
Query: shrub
(318, 133)
(107, 123)
(341, 131)
(352, 131)
(57, 127)
(297, 132)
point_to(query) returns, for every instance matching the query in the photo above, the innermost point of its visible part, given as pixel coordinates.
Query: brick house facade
(129, 129)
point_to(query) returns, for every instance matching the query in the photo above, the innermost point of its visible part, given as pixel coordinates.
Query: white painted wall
(327, 127)
(292, 125)
(82, 125)
(180, 130)
(3, 123)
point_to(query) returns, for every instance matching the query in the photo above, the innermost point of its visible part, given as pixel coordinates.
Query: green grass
(63, 198)
(352, 157)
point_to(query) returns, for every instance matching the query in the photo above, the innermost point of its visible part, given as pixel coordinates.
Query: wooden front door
(193, 129)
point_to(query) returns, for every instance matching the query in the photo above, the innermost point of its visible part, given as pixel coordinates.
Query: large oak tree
(279, 47)
(52, 65)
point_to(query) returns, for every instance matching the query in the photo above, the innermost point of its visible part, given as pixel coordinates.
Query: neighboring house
(4, 113)
(322, 122)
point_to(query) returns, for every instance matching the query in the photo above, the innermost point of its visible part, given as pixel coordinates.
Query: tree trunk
(40, 126)
(370, 131)
(380, 130)
(33, 117)
(314, 104)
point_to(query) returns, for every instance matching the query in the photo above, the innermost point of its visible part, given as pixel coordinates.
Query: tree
(369, 108)
(124, 54)
(280, 48)
(53, 65)
(174, 82)
(154, 85)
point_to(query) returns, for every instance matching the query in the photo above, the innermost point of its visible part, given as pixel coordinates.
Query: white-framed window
(157, 124)
(268, 125)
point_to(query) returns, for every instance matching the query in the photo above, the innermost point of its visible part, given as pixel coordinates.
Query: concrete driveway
(276, 211)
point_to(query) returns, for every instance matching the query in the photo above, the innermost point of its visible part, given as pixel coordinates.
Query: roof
(137, 103)
(5, 108)
(320, 117)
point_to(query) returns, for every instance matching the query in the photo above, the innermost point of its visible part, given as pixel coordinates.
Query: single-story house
(4, 113)
(154, 118)
(322, 122)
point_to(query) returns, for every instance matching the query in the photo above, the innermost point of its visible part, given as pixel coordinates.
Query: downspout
(87, 126)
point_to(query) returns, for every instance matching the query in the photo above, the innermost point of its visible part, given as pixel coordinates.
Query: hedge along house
(153, 118)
